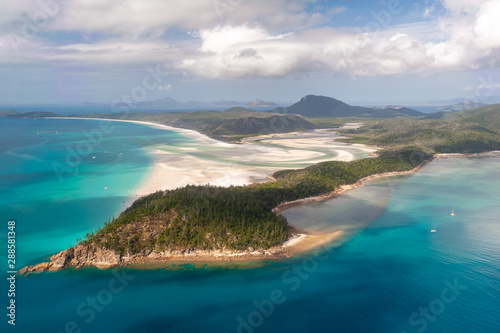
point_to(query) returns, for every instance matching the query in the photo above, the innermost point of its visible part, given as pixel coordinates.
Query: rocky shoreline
(81, 256)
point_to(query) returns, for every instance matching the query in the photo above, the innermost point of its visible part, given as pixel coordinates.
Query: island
(212, 223)
(216, 223)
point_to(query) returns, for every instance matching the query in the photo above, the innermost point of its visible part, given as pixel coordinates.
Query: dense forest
(236, 217)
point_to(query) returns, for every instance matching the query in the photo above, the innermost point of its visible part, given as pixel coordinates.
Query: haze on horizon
(362, 52)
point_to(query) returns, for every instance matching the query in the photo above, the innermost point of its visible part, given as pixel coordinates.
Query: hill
(252, 125)
(486, 116)
(34, 114)
(258, 103)
(461, 106)
(470, 131)
(229, 125)
(313, 106)
(9, 113)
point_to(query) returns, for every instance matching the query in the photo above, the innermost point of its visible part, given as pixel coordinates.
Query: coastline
(243, 164)
(493, 152)
(287, 205)
(186, 132)
(300, 242)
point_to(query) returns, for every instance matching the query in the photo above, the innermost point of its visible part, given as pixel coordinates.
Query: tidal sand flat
(207, 161)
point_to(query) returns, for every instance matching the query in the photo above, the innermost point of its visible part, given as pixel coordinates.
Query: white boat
(435, 229)
(452, 212)
(106, 188)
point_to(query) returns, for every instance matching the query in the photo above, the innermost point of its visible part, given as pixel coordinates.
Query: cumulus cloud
(468, 39)
(261, 38)
(137, 18)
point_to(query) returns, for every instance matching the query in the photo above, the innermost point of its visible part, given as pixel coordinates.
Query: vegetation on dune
(236, 217)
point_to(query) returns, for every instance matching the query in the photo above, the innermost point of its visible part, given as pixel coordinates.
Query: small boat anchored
(452, 212)
(106, 188)
(435, 229)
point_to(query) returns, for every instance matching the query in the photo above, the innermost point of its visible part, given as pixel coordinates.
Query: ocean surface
(389, 274)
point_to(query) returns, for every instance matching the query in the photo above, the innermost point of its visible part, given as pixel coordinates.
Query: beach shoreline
(485, 154)
(301, 241)
(187, 132)
(344, 188)
(298, 244)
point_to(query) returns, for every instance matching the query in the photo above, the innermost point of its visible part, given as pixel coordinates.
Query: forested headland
(236, 217)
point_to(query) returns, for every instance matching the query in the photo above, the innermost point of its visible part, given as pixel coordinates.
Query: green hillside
(471, 131)
(252, 125)
(486, 116)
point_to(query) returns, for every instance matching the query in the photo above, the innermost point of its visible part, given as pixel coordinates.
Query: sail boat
(435, 229)
(452, 212)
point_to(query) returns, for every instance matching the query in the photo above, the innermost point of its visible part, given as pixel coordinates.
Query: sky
(361, 52)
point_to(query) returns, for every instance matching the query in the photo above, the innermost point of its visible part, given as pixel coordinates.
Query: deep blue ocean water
(389, 275)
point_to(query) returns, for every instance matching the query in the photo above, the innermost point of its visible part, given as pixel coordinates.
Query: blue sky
(362, 52)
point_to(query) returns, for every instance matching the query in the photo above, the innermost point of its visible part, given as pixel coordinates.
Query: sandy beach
(208, 161)
(490, 153)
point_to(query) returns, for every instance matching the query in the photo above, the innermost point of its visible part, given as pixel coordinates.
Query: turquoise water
(54, 173)
(382, 278)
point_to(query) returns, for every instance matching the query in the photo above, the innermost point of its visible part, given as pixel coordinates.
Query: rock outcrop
(81, 256)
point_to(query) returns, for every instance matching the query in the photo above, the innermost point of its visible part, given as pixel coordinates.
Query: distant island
(461, 106)
(168, 103)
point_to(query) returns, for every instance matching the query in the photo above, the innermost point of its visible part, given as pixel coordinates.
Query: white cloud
(487, 27)
(134, 18)
(466, 38)
(494, 89)
(271, 39)
(165, 88)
